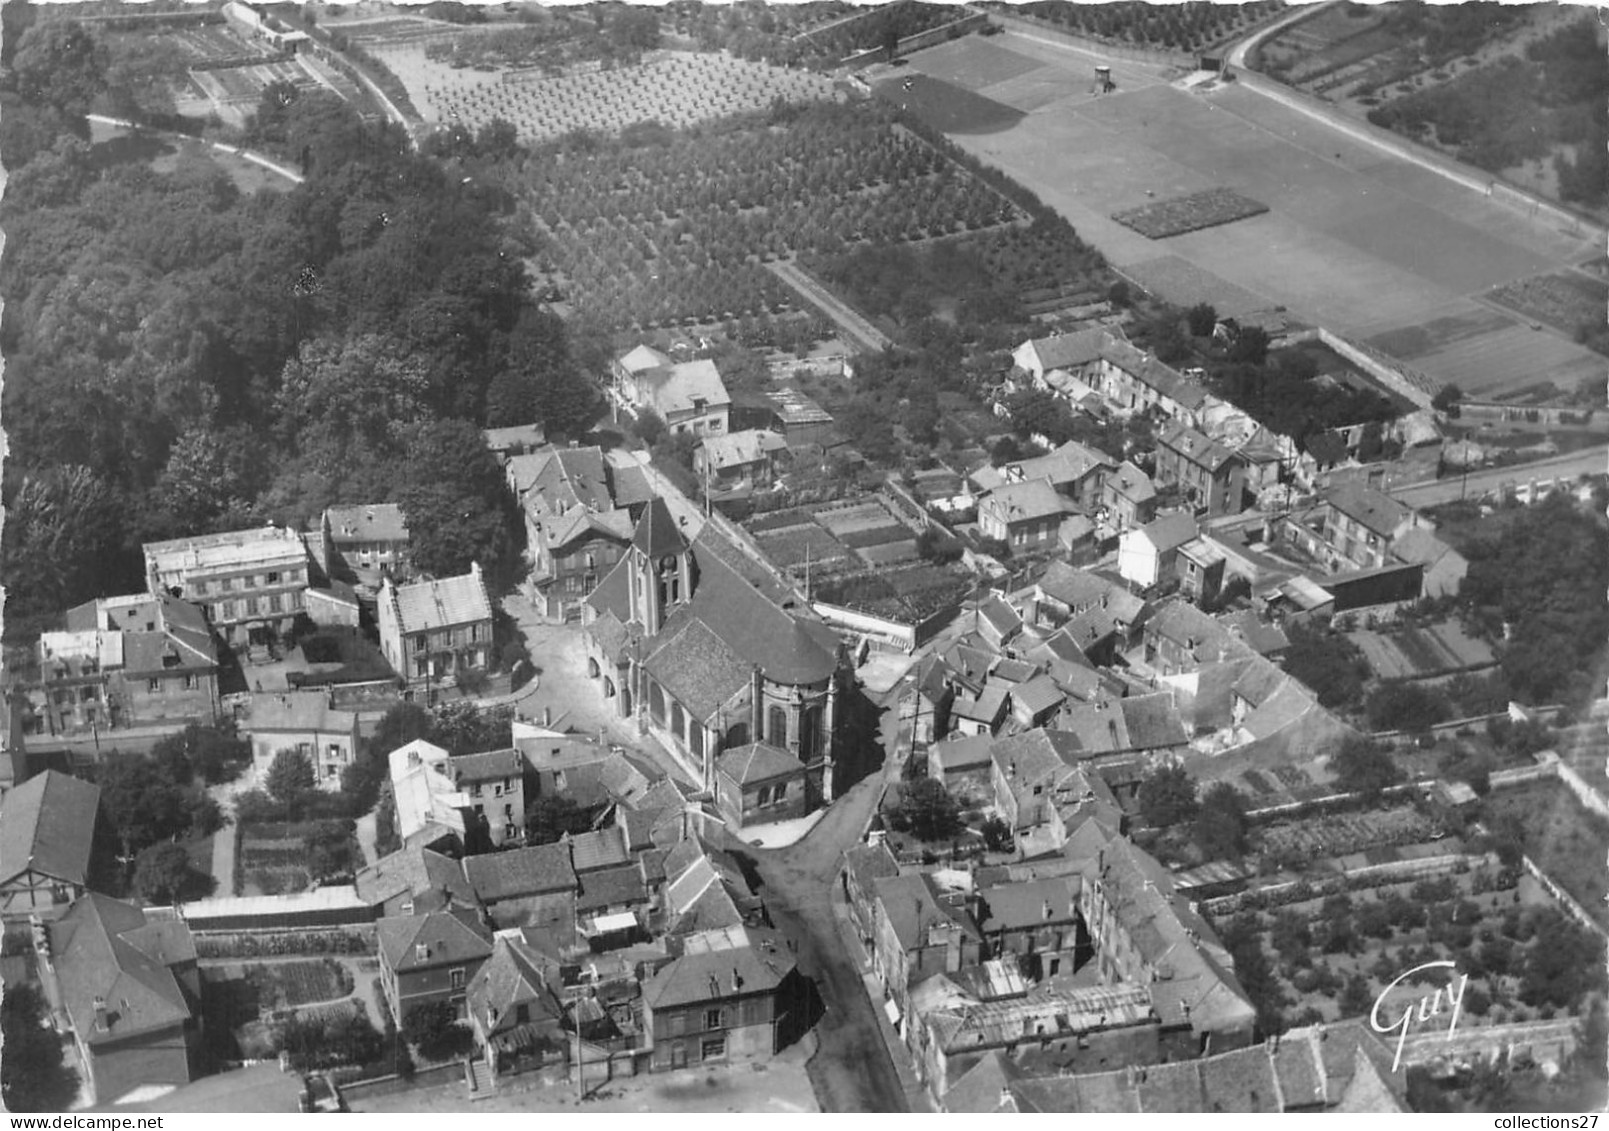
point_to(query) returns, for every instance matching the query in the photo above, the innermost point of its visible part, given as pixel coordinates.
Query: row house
(1042, 795)
(124, 661)
(921, 925)
(251, 582)
(688, 396)
(1144, 934)
(437, 793)
(1353, 527)
(1134, 382)
(430, 631)
(733, 995)
(1210, 475)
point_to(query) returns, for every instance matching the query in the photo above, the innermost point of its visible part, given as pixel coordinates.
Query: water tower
(1103, 79)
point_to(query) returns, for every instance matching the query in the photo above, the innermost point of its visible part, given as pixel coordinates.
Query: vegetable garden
(677, 232)
(1208, 209)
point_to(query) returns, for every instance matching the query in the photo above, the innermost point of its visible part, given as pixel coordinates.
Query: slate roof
(296, 711)
(104, 948)
(674, 388)
(516, 974)
(1064, 466)
(488, 765)
(1022, 502)
(378, 522)
(604, 848)
(718, 966)
(698, 668)
(1170, 531)
(1149, 371)
(149, 628)
(1022, 906)
(440, 603)
(737, 449)
(1152, 722)
(657, 533)
(609, 887)
(1038, 695)
(1421, 546)
(561, 479)
(450, 937)
(412, 871)
(1061, 351)
(1131, 483)
(1001, 616)
(631, 484)
(1196, 448)
(870, 863)
(1196, 633)
(758, 762)
(984, 1089)
(536, 870)
(1371, 509)
(642, 357)
(47, 824)
(986, 707)
(911, 905)
(1262, 637)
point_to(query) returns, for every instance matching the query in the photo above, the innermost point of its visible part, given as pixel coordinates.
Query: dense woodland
(1552, 100)
(182, 358)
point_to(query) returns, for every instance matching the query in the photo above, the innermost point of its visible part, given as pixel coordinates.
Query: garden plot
(796, 545)
(1413, 652)
(1340, 834)
(1190, 213)
(1565, 300)
(1562, 836)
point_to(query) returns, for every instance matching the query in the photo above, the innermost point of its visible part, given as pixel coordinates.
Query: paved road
(851, 323)
(1589, 461)
(852, 1070)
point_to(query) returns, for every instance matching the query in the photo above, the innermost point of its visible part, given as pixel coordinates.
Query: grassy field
(1563, 837)
(1354, 239)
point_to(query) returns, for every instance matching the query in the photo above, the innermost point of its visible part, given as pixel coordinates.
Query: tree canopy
(926, 810)
(33, 1075)
(1364, 766)
(1167, 796)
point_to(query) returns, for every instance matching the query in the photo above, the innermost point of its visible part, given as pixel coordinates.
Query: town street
(852, 1071)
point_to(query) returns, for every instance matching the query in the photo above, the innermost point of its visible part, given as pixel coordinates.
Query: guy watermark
(1429, 1006)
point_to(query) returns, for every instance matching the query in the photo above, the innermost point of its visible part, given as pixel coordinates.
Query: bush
(434, 1030)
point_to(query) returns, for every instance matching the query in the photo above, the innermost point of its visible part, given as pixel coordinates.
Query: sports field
(1355, 239)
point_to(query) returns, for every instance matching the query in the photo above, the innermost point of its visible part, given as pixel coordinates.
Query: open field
(1355, 239)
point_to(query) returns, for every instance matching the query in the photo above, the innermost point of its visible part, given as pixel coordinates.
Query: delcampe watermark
(1429, 1006)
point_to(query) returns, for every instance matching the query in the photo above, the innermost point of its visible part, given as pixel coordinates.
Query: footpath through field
(857, 327)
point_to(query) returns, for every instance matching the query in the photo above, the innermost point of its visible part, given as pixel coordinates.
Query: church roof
(657, 533)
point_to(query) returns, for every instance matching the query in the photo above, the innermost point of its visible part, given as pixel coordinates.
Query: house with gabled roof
(1353, 526)
(514, 440)
(135, 660)
(922, 924)
(524, 885)
(413, 881)
(733, 995)
(1042, 794)
(1133, 381)
(689, 396)
(1068, 353)
(759, 783)
(1076, 471)
(739, 459)
(1023, 515)
(431, 957)
(1129, 497)
(1147, 555)
(123, 983)
(577, 522)
(709, 659)
(430, 631)
(47, 832)
(514, 1007)
(1180, 637)
(362, 544)
(303, 721)
(1211, 476)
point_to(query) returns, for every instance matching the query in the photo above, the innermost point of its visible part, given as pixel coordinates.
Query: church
(705, 651)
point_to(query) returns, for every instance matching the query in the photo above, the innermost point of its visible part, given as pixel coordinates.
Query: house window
(335, 751)
(293, 575)
(153, 685)
(189, 682)
(251, 606)
(420, 643)
(458, 978)
(712, 1049)
(678, 719)
(713, 1019)
(778, 792)
(226, 584)
(273, 577)
(201, 586)
(777, 727)
(273, 603)
(764, 795)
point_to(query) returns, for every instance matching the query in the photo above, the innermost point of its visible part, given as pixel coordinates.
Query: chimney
(421, 951)
(547, 716)
(101, 1024)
